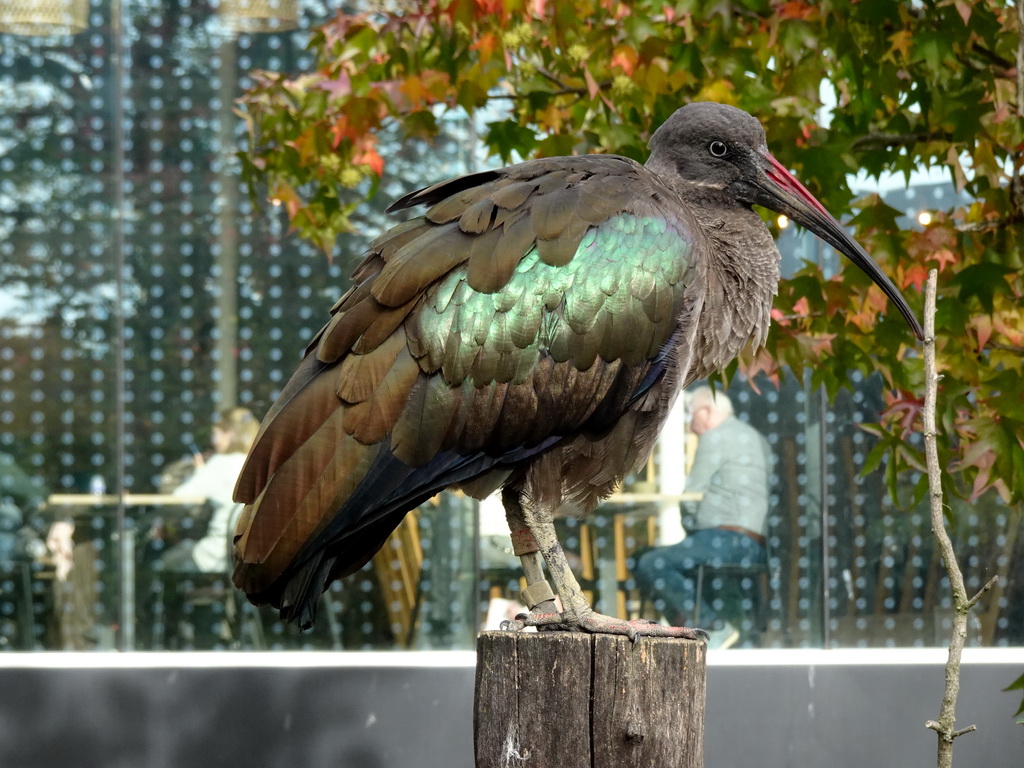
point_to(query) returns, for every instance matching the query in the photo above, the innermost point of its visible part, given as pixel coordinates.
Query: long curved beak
(781, 192)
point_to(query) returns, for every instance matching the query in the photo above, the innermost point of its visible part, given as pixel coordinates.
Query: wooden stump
(572, 700)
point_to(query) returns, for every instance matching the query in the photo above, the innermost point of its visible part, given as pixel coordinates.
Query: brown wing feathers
(368, 384)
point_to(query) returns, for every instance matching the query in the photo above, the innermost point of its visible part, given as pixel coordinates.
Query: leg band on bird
(536, 593)
(523, 542)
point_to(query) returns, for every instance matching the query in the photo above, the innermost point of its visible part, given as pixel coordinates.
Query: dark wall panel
(771, 716)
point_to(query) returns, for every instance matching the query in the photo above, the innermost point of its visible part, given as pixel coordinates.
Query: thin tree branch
(961, 605)
(551, 78)
(1000, 61)
(983, 226)
(936, 727)
(1006, 347)
(988, 585)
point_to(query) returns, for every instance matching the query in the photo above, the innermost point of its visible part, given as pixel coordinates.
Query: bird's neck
(742, 279)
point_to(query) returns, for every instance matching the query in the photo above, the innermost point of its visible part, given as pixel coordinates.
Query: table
(125, 535)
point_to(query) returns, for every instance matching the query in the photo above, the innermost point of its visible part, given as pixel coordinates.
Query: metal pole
(226, 260)
(125, 537)
(826, 592)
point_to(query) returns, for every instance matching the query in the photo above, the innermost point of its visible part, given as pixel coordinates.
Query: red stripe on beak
(782, 178)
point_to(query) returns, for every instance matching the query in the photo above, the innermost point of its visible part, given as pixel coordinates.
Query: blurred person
(214, 479)
(731, 468)
(19, 494)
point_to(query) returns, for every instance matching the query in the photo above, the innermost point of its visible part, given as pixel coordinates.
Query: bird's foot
(598, 623)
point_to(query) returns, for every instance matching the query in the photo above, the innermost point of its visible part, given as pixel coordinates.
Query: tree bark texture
(945, 726)
(573, 700)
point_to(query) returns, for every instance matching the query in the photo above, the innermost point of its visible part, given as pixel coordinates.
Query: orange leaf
(944, 257)
(368, 155)
(796, 10)
(372, 159)
(487, 43)
(283, 193)
(982, 325)
(899, 43)
(815, 346)
(981, 481)
(779, 317)
(341, 130)
(626, 58)
(305, 145)
(915, 275)
(874, 302)
(762, 362)
(1008, 324)
(414, 91)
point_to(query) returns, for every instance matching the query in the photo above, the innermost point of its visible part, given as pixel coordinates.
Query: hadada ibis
(528, 333)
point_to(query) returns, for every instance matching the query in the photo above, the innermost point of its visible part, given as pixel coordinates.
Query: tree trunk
(573, 700)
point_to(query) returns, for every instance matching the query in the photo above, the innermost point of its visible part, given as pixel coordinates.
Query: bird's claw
(518, 624)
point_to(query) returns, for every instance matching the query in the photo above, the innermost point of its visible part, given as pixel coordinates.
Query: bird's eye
(718, 148)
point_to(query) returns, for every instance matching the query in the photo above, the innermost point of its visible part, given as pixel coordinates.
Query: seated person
(214, 479)
(731, 469)
(18, 494)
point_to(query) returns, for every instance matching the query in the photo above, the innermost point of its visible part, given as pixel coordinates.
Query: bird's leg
(576, 614)
(538, 595)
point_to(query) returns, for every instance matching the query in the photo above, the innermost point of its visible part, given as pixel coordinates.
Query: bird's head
(723, 148)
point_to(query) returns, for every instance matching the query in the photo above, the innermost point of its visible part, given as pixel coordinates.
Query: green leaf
(1017, 685)
(877, 454)
(1006, 397)
(508, 136)
(982, 281)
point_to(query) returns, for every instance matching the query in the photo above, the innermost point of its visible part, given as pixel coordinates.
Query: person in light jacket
(214, 479)
(731, 469)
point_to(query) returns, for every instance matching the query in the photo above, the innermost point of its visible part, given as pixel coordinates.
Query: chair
(18, 572)
(211, 593)
(398, 566)
(750, 582)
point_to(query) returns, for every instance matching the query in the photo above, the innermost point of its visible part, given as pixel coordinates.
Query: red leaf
(338, 87)
(903, 410)
(964, 9)
(592, 87)
(915, 275)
